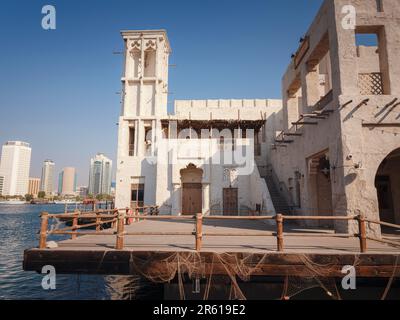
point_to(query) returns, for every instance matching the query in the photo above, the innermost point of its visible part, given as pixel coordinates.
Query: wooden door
(386, 212)
(192, 198)
(230, 201)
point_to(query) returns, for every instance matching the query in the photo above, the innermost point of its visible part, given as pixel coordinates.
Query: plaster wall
(357, 135)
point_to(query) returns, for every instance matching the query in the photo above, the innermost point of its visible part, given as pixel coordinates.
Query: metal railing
(122, 217)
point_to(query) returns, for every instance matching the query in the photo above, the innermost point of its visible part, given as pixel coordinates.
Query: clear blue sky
(58, 87)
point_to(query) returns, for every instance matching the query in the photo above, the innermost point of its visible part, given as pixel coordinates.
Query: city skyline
(15, 181)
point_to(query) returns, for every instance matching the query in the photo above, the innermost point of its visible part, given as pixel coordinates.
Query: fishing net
(237, 269)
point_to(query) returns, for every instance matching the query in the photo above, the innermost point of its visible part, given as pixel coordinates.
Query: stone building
(338, 153)
(165, 160)
(330, 147)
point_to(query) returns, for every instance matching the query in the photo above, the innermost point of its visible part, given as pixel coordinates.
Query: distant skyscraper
(100, 175)
(34, 186)
(14, 167)
(1, 185)
(47, 177)
(82, 191)
(67, 181)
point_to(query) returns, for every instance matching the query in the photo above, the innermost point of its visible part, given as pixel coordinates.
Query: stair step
(279, 202)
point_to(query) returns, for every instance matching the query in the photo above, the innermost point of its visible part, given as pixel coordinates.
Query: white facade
(14, 167)
(100, 175)
(158, 166)
(47, 179)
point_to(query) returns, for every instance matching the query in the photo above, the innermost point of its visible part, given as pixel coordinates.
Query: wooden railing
(96, 219)
(118, 218)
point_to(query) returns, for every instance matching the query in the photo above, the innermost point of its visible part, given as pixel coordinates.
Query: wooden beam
(293, 134)
(313, 116)
(305, 123)
(284, 141)
(327, 112)
(382, 124)
(118, 262)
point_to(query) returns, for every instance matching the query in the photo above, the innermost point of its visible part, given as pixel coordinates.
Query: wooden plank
(381, 124)
(122, 262)
(313, 123)
(293, 134)
(284, 141)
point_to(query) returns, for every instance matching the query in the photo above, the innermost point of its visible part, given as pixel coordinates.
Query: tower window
(379, 5)
(131, 141)
(373, 67)
(150, 63)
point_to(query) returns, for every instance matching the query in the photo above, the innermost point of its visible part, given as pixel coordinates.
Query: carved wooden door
(192, 198)
(230, 201)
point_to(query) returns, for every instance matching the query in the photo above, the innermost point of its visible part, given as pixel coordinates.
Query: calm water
(19, 225)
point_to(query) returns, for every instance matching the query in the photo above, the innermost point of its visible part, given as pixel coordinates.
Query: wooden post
(126, 215)
(120, 231)
(362, 228)
(114, 223)
(199, 230)
(279, 231)
(74, 224)
(43, 230)
(98, 220)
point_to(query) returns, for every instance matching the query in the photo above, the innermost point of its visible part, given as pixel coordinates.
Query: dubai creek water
(19, 226)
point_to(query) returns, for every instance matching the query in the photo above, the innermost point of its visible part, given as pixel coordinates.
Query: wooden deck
(97, 253)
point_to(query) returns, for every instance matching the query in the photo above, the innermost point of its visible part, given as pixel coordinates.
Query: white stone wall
(355, 149)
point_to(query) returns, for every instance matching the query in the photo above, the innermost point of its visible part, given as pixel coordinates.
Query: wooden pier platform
(242, 243)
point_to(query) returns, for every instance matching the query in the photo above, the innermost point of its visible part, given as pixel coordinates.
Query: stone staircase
(280, 203)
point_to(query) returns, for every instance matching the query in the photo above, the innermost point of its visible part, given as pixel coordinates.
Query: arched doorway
(192, 190)
(387, 183)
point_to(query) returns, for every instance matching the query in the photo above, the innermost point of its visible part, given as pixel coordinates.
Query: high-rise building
(34, 186)
(1, 185)
(100, 175)
(67, 182)
(47, 177)
(14, 167)
(82, 191)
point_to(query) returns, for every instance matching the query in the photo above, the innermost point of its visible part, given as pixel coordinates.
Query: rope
(389, 285)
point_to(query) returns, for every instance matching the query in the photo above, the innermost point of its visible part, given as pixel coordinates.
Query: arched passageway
(387, 183)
